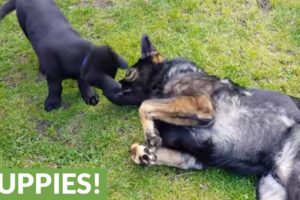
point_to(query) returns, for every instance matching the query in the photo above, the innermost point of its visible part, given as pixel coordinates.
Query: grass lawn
(232, 39)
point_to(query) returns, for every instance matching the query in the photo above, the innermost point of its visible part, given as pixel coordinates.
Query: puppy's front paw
(92, 99)
(50, 105)
(142, 155)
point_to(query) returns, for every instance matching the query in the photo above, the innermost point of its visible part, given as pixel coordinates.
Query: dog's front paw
(50, 105)
(154, 141)
(92, 99)
(142, 155)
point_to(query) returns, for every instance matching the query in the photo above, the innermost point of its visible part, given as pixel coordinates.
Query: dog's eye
(131, 75)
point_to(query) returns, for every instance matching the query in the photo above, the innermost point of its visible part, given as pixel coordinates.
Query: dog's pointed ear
(148, 50)
(147, 47)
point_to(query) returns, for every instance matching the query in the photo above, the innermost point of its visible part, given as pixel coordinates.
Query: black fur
(62, 53)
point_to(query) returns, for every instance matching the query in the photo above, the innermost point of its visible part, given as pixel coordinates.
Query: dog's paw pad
(142, 155)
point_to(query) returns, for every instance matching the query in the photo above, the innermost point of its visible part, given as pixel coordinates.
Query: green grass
(227, 38)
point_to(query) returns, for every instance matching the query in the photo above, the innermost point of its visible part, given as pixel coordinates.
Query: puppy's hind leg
(53, 101)
(145, 156)
(87, 93)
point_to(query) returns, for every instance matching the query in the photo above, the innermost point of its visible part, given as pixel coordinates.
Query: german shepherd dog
(193, 120)
(63, 53)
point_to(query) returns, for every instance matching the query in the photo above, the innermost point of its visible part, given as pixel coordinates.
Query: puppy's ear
(148, 50)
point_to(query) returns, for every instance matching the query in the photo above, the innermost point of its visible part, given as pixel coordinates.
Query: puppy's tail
(7, 8)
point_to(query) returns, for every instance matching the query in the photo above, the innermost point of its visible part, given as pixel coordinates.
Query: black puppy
(63, 53)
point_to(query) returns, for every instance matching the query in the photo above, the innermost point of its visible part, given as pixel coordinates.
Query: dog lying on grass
(62, 53)
(193, 120)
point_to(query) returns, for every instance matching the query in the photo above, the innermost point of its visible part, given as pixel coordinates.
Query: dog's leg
(293, 183)
(182, 110)
(142, 155)
(284, 182)
(87, 93)
(269, 188)
(53, 101)
(287, 164)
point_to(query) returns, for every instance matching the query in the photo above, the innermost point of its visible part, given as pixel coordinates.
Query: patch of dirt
(265, 5)
(42, 127)
(40, 77)
(33, 100)
(73, 128)
(32, 160)
(102, 3)
(65, 105)
(75, 124)
(203, 186)
(97, 3)
(290, 52)
(13, 79)
(23, 59)
(273, 48)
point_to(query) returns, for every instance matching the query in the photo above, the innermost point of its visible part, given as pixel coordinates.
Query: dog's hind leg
(274, 186)
(293, 183)
(87, 93)
(284, 182)
(270, 188)
(181, 110)
(53, 101)
(142, 155)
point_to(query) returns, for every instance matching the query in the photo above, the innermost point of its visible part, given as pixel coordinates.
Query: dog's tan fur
(181, 110)
(163, 156)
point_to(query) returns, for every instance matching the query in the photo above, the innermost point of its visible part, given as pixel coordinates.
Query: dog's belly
(249, 130)
(247, 134)
(183, 139)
